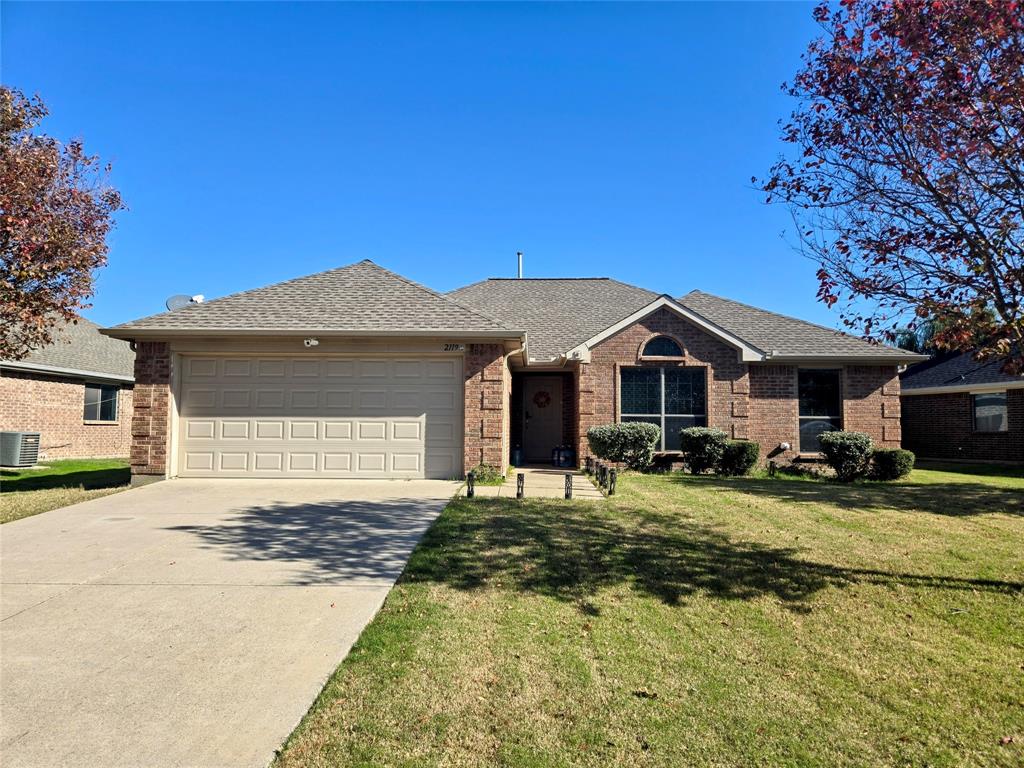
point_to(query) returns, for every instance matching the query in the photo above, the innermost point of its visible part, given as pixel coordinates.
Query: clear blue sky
(258, 142)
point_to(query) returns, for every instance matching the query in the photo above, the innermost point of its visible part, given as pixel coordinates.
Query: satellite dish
(178, 301)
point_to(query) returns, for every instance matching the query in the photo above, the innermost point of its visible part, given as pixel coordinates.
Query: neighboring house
(359, 372)
(955, 407)
(76, 392)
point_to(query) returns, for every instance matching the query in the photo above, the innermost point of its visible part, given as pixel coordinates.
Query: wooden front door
(542, 417)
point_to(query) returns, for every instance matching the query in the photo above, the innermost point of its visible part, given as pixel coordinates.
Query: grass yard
(697, 622)
(28, 492)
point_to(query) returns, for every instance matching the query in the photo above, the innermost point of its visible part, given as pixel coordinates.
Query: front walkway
(541, 483)
(191, 622)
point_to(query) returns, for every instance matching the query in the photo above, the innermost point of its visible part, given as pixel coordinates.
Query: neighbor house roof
(361, 299)
(957, 372)
(562, 313)
(80, 351)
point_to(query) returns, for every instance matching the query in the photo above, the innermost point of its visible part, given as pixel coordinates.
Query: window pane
(92, 402)
(662, 346)
(812, 428)
(990, 412)
(108, 405)
(675, 423)
(819, 393)
(685, 391)
(641, 390)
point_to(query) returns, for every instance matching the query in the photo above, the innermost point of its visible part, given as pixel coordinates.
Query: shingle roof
(362, 297)
(956, 370)
(781, 335)
(557, 313)
(80, 347)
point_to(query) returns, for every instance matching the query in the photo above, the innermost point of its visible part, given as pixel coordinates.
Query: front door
(542, 416)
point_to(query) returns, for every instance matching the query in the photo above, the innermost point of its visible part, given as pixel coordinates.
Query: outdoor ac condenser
(19, 449)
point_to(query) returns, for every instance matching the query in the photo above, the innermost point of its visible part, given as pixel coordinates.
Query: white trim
(979, 389)
(70, 372)
(747, 352)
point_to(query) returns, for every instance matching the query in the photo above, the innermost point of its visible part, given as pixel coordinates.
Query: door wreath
(542, 399)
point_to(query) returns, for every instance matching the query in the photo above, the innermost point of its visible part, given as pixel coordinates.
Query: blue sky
(258, 142)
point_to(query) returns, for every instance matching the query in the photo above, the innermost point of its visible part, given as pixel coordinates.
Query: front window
(821, 407)
(990, 412)
(672, 398)
(662, 346)
(100, 402)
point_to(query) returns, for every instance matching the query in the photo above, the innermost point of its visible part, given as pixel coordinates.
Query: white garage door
(320, 417)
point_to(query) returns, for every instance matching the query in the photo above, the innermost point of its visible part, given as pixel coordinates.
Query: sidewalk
(540, 483)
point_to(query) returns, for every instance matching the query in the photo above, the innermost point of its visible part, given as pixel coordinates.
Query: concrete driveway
(191, 622)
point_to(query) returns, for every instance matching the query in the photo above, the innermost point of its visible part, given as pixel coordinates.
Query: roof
(957, 371)
(562, 313)
(781, 336)
(361, 298)
(557, 313)
(80, 350)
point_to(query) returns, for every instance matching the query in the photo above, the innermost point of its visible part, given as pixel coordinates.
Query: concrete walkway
(191, 622)
(541, 483)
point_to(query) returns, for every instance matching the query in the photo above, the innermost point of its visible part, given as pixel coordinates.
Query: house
(359, 372)
(956, 407)
(76, 392)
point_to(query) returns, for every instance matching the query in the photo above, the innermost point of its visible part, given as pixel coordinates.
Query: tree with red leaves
(907, 179)
(55, 213)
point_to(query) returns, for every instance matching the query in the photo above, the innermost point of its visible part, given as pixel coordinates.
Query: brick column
(486, 406)
(151, 410)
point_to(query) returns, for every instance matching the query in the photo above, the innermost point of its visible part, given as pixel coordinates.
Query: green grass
(57, 484)
(695, 621)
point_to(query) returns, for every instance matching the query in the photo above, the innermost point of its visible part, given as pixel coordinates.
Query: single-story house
(956, 407)
(360, 372)
(76, 392)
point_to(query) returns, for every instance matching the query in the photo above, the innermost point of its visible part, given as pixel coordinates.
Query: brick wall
(942, 427)
(871, 402)
(53, 406)
(487, 392)
(151, 420)
(774, 410)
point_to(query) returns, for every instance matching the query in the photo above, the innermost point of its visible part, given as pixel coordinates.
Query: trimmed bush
(487, 474)
(631, 442)
(848, 453)
(739, 457)
(702, 448)
(891, 463)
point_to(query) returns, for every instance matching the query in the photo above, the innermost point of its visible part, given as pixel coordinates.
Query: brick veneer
(487, 406)
(151, 420)
(52, 406)
(941, 426)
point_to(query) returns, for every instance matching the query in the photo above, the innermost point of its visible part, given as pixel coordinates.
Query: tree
(55, 212)
(906, 181)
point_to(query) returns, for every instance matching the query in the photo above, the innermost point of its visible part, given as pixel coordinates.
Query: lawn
(697, 622)
(57, 484)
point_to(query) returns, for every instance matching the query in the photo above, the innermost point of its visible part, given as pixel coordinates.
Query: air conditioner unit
(19, 449)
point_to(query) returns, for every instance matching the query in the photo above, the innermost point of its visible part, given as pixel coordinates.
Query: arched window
(662, 346)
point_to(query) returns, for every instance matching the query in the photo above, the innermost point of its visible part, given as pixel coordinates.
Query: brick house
(76, 392)
(955, 407)
(359, 372)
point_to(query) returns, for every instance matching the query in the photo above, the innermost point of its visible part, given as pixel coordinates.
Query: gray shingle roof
(957, 370)
(781, 334)
(362, 297)
(557, 313)
(80, 347)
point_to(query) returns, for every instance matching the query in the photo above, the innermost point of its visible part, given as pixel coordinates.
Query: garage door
(320, 417)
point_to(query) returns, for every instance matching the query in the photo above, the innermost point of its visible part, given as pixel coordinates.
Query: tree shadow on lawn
(538, 548)
(90, 479)
(950, 499)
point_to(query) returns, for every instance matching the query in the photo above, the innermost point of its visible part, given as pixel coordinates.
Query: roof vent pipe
(519, 254)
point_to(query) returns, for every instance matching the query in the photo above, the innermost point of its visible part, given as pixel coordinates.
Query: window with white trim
(100, 402)
(990, 412)
(821, 406)
(662, 346)
(672, 398)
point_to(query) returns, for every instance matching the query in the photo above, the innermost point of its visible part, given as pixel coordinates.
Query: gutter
(70, 372)
(952, 389)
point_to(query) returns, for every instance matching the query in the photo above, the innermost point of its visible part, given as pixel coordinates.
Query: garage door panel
(323, 417)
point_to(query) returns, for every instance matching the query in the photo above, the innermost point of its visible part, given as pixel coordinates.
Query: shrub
(739, 457)
(891, 463)
(633, 442)
(487, 474)
(848, 453)
(702, 448)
